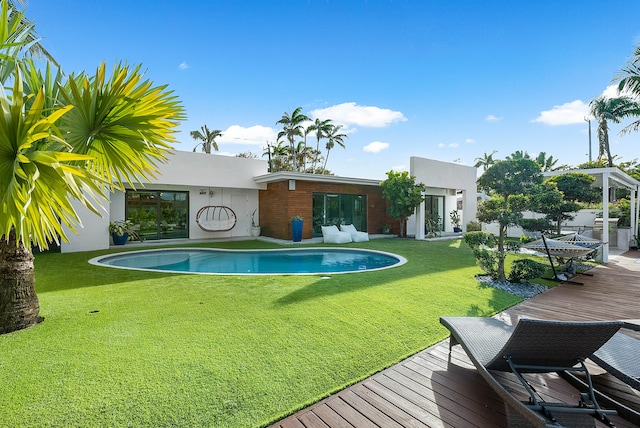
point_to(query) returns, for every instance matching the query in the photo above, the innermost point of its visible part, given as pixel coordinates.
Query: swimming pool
(298, 261)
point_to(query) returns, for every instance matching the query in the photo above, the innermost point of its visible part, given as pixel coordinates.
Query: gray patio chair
(533, 346)
(620, 356)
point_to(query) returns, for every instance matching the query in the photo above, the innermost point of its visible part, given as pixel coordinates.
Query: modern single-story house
(168, 206)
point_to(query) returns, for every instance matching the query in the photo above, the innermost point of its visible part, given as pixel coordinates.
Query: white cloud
(441, 145)
(255, 135)
(453, 145)
(353, 114)
(399, 168)
(612, 92)
(183, 65)
(492, 118)
(375, 147)
(565, 114)
(469, 141)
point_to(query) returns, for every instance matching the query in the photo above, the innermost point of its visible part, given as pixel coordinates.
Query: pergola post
(420, 219)
(605, 217)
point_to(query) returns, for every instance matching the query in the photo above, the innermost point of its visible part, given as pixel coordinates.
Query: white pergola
(607, 178)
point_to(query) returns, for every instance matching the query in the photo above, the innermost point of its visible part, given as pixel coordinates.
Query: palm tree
(334, 137)
(65, 141)
(485, 161)
(546, 163)
(292, 127)
(207, 138)
(321, 128)
(606, 110)
(630, 83)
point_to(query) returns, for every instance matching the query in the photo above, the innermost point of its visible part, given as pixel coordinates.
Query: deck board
(436, 389)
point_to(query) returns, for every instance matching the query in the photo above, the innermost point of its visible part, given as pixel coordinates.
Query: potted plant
(255, 227)
(121, 231)
(386, 229)
(296, 228)
(455, 220)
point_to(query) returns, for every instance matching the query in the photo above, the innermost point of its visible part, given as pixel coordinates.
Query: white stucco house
(166, 207)
(446, 184)
(184, 184)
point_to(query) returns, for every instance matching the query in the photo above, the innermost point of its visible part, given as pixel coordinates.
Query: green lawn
(224, 351)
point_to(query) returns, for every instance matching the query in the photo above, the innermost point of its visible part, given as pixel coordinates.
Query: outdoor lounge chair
(620, 356)
(331, 235)
(356, 236)
(533, 346)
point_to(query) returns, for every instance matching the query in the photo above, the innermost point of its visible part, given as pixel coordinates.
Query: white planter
(255, 231)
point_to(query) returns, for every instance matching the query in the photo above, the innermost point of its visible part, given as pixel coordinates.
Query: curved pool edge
(96, 261)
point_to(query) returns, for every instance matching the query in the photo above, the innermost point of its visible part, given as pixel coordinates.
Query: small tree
(403, 194)
(559, 196)
(508, 182)
(550, 201)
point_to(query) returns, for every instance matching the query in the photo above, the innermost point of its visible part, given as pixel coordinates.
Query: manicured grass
(225, 351)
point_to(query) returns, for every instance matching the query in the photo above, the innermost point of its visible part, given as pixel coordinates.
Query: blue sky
(447, 80)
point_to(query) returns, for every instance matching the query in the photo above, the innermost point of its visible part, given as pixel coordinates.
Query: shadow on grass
(425, 260)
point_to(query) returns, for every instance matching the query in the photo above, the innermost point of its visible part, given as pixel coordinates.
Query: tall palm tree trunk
(19, 305)
(324, 167)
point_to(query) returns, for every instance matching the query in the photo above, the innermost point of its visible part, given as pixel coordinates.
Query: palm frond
(124, 123)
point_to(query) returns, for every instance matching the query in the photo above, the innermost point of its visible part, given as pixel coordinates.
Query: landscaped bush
(526, 269)
(477, 239)
(479, 242)
(536, 224)
(474, 226)
(513, 246)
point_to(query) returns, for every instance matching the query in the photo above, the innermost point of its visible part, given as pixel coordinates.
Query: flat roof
(616, 175)
(275, 177)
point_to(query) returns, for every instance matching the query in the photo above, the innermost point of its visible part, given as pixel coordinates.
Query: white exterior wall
(444, 178)
(583, 219)
(209, 179)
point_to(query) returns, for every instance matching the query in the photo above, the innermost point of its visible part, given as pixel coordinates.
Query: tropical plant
(63, 141)
(485, 161)
(455, 218)
(120, 227)
(292, 127)
(321, 128)
(629, 83)
(207, 138)
(403, 194)
(606, 110)
(334, 136)
(547, 163)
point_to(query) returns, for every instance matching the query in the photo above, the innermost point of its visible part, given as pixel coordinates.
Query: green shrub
(524, 239)
(535, 224)
(478, 238)
(513, 246)
(474, 226)
(479, 242)
(526, 269)
(488, 261)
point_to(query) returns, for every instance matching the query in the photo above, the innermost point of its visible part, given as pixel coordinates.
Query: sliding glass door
(159, 214)
(336, 209)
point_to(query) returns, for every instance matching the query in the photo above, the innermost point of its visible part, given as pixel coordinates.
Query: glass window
(159, 214)
(335, 209)
(434, 208)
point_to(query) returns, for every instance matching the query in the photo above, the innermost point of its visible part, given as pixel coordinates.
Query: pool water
(299, 261)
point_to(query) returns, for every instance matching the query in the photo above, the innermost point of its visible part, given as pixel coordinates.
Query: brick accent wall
(278, 204)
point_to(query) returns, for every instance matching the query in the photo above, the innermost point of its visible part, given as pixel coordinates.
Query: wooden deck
(426, 391)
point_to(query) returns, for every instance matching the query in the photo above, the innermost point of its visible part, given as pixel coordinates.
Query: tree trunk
(19, 305)
(501, 256)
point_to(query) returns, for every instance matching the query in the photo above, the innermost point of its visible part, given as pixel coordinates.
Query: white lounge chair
(331, 235)
(355, 235)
